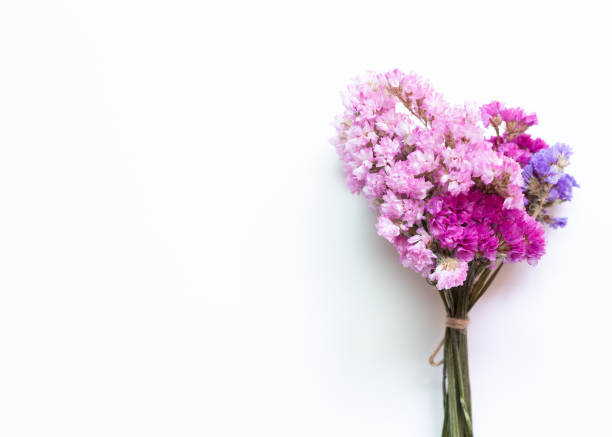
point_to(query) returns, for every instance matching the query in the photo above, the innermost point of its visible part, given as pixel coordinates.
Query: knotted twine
(452, 323)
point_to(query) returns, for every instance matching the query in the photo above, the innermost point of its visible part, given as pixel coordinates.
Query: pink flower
(419, 258)
(387, 229)
(392, 207)
(489, 111)
(518, 115)
(449, 273)
(374, 188)
(415, 254)
(386, 151)
(535, 239)
(413, 212)
(362, 171)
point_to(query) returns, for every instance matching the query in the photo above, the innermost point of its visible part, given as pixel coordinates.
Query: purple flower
(545, 180)
(563, 189)
(549, 163)
(558, 222)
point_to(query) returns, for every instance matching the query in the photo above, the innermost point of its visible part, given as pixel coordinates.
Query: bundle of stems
(456, 377)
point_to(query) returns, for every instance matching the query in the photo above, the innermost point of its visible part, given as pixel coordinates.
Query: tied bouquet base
(455, 374)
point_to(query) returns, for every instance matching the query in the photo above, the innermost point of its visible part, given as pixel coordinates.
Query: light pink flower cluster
(410, 154)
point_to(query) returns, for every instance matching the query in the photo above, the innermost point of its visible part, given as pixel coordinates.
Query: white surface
(179, 255)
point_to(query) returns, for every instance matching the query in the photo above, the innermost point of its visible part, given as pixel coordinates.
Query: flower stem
(456, 376)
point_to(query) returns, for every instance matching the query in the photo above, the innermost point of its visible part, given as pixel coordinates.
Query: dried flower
(424, 164)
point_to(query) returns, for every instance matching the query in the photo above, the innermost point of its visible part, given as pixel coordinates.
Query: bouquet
(459, 191)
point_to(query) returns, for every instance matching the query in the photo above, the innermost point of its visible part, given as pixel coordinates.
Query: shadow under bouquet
(459, 191)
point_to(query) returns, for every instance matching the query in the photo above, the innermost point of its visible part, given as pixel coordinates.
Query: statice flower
(490, 113)
(449, 273)
(387, 229)
(563, 189)
(531, 145)
(415, 254)
(518, 117)
(517, 121)
(549, 163)
(444, 189)
(547, 184)
(558, 222)
(474, 224)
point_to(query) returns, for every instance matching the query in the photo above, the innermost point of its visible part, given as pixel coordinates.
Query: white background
(179, 255)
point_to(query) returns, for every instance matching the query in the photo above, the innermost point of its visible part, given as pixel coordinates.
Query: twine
(452, 323)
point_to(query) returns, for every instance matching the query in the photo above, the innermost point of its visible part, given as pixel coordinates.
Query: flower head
(546, 183)
(449, 273)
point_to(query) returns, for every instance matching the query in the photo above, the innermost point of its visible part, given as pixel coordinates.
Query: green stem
(457, 393)
(477, 293)
(456, 377)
